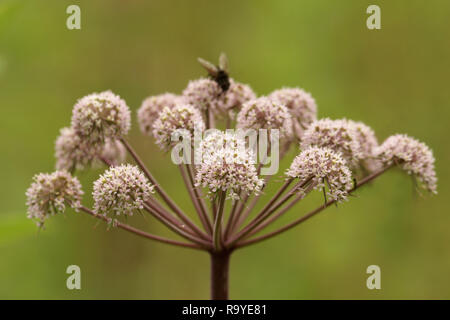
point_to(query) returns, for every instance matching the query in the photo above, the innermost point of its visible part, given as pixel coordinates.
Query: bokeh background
(394, 79)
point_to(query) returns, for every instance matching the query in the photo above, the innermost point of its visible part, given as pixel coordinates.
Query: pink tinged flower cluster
(413, 156)
(114, 152)
(368, 145)
(338, 135)
(264, 113)
(99, 116)
(366, 138)
(301, 105)
(203, 94)
(121, 190)
(206, 94)
(50, 193)
(325, 168)
(152, 106)
(232, 100)
(226, 165)
(72, 152)
(183, 118)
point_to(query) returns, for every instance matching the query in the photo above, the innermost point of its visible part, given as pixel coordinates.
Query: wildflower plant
(336, 157)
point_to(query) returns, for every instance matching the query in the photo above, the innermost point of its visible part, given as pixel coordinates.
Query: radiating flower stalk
(335, 157)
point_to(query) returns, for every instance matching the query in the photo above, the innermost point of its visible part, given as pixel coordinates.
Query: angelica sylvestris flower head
(227, 166)
(101, 115)
(366, 137)
(264, 113)
(203, 94)
(50, 193)
(301, 105)
(72, 152)
(217, 140)
(121, 190)
(368, 144)
(234, 98)
(152, 106)
(114, 152)
(413, 156)
(326, 169)
(338, 135)
(181, 117)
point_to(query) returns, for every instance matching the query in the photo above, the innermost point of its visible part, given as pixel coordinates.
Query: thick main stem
(220, 264)
(218, 221)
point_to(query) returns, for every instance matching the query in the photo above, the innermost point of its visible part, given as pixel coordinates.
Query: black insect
(218, 73)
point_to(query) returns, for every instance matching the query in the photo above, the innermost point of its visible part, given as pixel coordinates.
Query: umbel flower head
(114, 152)
(152, 106)
(203, 94)
(301, 105)
(185, 118)
(325, 168)
(413, 156)
(233, 99)
(101, 115)
(368, 144)
(72, 152)
(121, 190)
(227, 166)
(338, 135)
(264, 113)
(217, 140)
(50, 193)
(366, 137)
(207, 94)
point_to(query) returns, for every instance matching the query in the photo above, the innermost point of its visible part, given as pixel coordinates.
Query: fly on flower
(218, 73)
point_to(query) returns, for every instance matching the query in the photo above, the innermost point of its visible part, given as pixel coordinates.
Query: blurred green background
(394, 79)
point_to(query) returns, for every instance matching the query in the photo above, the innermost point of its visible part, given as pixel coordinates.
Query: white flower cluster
(114, 152)
(344, 136)
(368, 144)
(366, 137)
(50, 192)
(99, 116)
(152, 106)
(226, 165)
(264, 113)
(301, 105)
(413, 156)
(207, 94)
(121, 190)
(326, 169)
(183, 118)
(72, 152)
(203, 94)
(232, 100)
